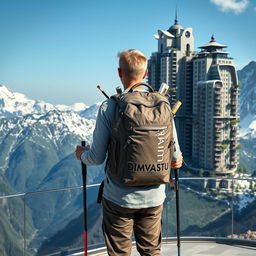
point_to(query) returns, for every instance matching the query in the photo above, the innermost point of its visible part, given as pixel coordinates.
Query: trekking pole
(84, 173)
(102, 91)
(176, 172)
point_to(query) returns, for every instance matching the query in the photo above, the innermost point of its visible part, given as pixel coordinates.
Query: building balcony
(217, 154)
(233, 141)
(234, 128)
(233, 147)
(217, 138)
(216, 165)
(234, 102)
(218, 86)
(233, 133)
(234, 97)
(217, 113)
(217, 128)
(218, 125)
(235, 114)
(218, 133)
(217, 151)
(217, 143)
(217, 158)
(234, 153)
(233, 162)
(234, 158)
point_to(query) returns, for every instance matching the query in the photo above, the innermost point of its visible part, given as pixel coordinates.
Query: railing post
(232, 209)
(166, 223)
(24, 225)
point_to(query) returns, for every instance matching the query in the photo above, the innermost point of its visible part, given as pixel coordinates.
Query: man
(127, 208)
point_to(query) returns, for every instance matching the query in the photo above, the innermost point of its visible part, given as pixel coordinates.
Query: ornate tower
(172, 64)
(215, 106)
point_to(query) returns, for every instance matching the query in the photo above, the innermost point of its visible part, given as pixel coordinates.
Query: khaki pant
(118, 224)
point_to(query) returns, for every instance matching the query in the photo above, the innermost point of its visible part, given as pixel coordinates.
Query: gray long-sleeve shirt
(129, 197)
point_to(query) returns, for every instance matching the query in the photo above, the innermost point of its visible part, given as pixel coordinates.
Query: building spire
(213, 38)
(176, 17)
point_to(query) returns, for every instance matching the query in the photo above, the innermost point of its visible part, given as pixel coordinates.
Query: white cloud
(236, 6)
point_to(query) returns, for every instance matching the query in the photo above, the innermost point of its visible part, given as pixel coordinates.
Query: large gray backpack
(141, 145)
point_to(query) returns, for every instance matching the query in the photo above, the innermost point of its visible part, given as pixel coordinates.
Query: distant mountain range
(37, 143)
(247, 77)
(17, 104)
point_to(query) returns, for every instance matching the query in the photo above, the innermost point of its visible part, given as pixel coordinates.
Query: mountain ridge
(17, 104)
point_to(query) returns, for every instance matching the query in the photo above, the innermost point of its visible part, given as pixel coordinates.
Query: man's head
(132, 65)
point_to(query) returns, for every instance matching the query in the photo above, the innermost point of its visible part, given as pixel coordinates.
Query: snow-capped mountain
(32, 129)
(247, 132)
(16, 104)
(91, 112)
(37, 152)
(38, 142)
(247, 76)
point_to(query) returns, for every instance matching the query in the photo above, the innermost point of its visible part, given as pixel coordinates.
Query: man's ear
(146, 72)
(120, 72)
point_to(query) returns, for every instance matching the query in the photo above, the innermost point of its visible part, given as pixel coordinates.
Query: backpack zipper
(149, 128)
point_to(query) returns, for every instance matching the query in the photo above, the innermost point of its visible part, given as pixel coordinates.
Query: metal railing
(194, 185)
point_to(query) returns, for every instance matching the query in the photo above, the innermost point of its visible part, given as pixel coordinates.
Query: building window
(188, 47)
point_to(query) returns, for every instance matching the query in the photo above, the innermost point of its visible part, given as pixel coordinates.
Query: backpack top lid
(142, 98)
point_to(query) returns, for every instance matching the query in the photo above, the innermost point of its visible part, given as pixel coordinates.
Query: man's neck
(129, 84)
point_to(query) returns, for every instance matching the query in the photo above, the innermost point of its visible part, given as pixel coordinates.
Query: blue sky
(59, 50)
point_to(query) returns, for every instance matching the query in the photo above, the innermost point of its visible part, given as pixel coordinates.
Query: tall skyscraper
(206, 84)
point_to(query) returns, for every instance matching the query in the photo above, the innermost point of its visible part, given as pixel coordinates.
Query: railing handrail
(47, 191)
(97, 185)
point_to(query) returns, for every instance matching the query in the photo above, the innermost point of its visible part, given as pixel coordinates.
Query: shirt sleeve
(101, 136)
(177, 153)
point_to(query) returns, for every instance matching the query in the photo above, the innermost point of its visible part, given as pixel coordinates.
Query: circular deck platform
(200, 247)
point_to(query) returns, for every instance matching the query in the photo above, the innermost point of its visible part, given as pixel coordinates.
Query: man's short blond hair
(133, 63)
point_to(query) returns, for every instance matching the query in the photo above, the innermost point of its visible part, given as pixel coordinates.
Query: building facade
(206, 84)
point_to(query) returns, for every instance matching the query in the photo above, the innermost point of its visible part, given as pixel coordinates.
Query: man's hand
(178, 163)
(80, 150)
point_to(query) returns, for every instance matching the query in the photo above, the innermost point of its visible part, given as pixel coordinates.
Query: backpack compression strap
(141, 84)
